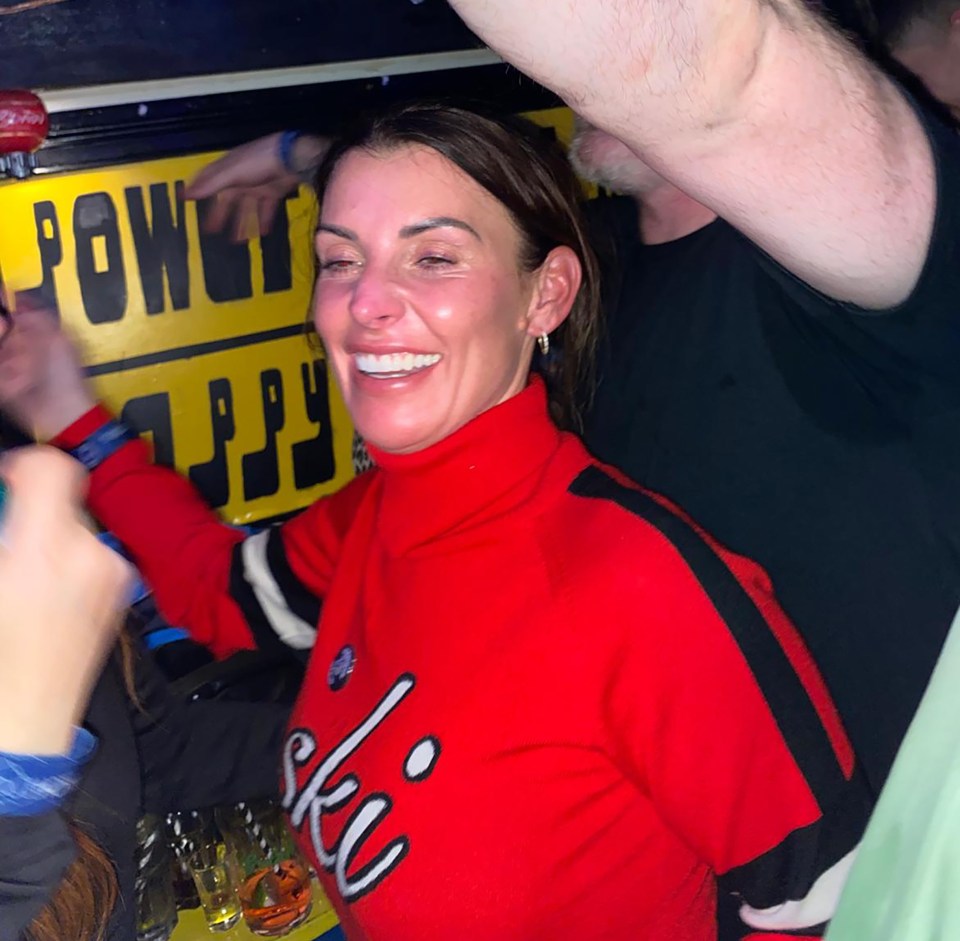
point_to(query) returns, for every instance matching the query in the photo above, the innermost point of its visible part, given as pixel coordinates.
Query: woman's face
(424, 312)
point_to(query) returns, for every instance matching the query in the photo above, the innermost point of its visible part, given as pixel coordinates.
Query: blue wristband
(34, 784)
(106, 440)
(285, 150)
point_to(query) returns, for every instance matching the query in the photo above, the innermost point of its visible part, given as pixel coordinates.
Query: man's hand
(249, 182)
(61, 599)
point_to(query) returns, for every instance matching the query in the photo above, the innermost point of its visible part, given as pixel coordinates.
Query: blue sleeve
(34, 784)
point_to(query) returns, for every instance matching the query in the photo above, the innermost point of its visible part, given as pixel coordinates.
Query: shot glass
(153, 885)
(275, 890)
(213, 875)
(202, 852)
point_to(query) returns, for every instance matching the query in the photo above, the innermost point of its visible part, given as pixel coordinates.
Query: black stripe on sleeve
(242, 593)
(783, 690)
(301, 601)
(788, 871)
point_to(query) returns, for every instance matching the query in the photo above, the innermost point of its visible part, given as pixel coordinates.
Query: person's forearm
(45, 730)
(42, 702)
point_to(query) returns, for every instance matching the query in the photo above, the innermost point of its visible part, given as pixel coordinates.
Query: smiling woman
(439, 266)
(541, 704)
(427, 321)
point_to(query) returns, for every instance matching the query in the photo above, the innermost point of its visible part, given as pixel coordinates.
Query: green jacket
(905, 883)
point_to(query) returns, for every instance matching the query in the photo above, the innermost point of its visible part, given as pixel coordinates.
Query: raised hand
(249, 182)
(61, 599)
(42, 383)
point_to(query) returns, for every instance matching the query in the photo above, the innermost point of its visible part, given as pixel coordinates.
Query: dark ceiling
(65, 43)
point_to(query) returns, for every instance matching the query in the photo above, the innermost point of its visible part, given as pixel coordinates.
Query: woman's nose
(375, 300)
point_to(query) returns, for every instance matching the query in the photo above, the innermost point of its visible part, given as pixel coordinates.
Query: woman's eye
(434, 261)
(337, 265)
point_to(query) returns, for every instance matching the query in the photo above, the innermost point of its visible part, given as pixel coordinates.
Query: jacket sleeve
(35, 852)
(202, 754)
(728, 725)
(229, 591)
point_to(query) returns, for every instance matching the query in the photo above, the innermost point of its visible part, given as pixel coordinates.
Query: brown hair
(84, 899)
(87, 894)
(528, 173)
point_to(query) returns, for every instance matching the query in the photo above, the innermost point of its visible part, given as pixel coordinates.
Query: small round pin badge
(341, 668)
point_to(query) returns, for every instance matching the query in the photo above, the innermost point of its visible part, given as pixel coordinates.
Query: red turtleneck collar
(484, 469)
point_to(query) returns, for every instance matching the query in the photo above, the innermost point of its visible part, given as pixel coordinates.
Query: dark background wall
(81, 42)
(63, 43)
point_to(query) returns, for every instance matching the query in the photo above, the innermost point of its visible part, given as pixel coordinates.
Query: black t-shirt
(817, 438)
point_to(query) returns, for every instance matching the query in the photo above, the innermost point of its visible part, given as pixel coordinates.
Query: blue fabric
(285, 150)
(164, 636)
(33, 784)
(100, 444)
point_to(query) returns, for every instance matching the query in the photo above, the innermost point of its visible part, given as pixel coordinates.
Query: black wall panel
(64, 43)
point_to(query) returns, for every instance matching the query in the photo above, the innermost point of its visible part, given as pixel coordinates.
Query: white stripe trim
(126, 93)
(291, 629)
(817, 908)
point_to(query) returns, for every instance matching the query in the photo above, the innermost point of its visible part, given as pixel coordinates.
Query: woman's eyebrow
(337, 230)
(439, 222)
(408, 231)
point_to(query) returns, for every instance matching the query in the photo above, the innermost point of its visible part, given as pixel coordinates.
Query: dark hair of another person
(88, 892)
(895, 17)
(528, 173)
(84, 899)
(856, 19)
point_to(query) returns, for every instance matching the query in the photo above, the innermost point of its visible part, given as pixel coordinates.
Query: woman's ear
(557, 282)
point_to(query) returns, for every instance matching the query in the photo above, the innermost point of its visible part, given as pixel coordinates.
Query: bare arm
(756, 109)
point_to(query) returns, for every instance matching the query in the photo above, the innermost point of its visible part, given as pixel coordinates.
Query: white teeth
(394, 364)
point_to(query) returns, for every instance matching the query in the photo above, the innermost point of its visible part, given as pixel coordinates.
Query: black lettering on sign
(103, 285)
(261, 470)
(275, 251)
(226, 264)
(211, 478)
(50, 248)
(161, 245)
(151, 413)
(313, 461)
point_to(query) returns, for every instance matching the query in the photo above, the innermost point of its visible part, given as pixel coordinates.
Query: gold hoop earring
(543, 341)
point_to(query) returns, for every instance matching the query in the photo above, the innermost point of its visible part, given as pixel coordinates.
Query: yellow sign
(196, 340)
(560, 120)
